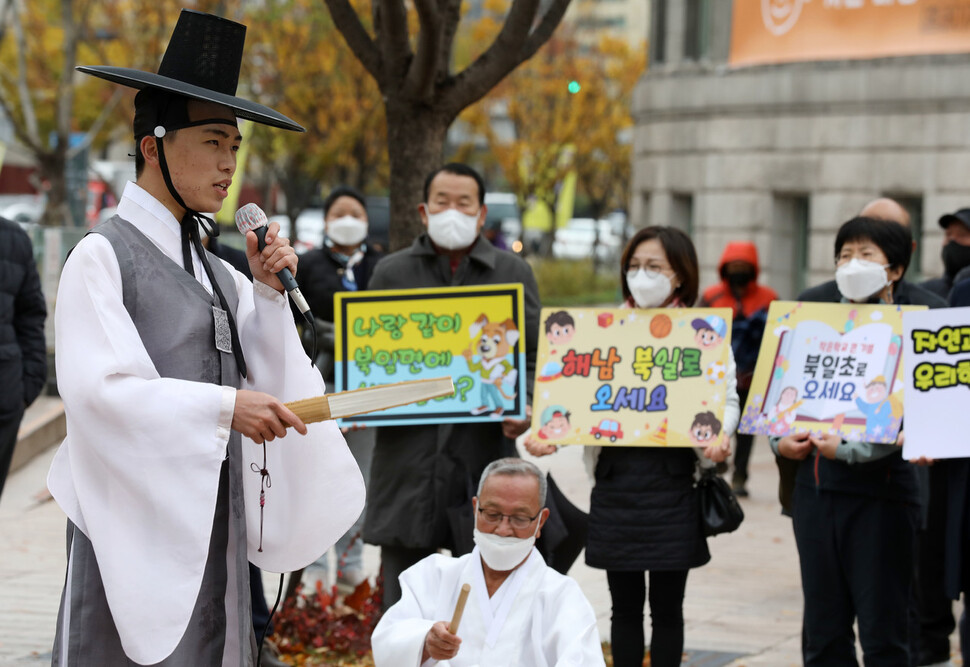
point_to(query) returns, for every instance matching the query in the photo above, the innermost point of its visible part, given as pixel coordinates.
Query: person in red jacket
(739, 290)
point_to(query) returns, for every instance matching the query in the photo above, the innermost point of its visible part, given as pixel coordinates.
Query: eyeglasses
(493, 518)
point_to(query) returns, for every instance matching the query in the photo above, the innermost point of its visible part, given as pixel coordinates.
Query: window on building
(658, 26)
(682, 213)
(914, 206)
(787, 269)
(697, 29)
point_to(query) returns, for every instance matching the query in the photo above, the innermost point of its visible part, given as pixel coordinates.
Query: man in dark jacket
(955, 253)
(423, 477)
(23, 348)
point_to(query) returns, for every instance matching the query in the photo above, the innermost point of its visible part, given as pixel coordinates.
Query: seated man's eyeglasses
(493, 518)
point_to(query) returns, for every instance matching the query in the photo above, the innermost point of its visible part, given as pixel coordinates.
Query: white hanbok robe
(537, 618)
(139, 469)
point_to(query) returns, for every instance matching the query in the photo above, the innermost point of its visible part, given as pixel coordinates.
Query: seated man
(519, 611)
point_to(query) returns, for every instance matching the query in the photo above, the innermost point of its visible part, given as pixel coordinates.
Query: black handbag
(720, 510)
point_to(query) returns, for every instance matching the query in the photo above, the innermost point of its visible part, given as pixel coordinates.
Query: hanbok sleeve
(317, 490)
(398, 639)
(571, 636)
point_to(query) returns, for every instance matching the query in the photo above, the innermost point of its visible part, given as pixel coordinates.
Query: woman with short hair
(855, 505)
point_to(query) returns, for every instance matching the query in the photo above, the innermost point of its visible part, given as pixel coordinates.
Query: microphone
(252, 218)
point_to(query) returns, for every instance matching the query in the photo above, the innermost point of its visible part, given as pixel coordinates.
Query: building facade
(628, 20)
(784, 154)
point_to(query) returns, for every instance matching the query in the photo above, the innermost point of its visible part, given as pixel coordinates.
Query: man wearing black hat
(173, 368)
(956, 253)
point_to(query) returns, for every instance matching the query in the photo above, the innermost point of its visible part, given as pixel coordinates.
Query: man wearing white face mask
(423, 477)
(519, 611)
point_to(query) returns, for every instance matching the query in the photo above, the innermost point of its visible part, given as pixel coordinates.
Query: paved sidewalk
(746, 601)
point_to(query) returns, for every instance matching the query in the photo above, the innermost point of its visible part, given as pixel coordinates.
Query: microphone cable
(269, 621)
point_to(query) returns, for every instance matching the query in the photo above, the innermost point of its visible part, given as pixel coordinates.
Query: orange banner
(776, 31)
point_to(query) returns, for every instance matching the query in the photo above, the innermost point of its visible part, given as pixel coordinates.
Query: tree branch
(356, 37)
(393, 38)
(550, 21)
(65, 89)
(450, 11)
(23, 90)
(99, 122)
(515, 44)
(18, 128)
(421, 72)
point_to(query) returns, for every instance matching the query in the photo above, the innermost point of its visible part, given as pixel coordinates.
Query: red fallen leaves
(322, 628)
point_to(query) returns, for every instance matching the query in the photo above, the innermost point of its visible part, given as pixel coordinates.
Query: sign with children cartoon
(937, 360)
(829, 368)
(618, 376)
(469, 333)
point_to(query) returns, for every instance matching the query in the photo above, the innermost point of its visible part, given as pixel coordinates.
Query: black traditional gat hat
(201, 62)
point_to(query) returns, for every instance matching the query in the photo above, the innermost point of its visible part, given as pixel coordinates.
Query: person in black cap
(955, 253)
(173, 367)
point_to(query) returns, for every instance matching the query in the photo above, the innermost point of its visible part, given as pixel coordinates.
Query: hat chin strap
(190, 236)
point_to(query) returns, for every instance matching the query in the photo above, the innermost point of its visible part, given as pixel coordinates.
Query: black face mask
(740, 279)
(955, 258)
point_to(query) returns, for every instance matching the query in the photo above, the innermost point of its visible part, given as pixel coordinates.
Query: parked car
(24, 210)
(577, 238)
(379, 223)
(607, 428)
(503, 211)
(310, 225)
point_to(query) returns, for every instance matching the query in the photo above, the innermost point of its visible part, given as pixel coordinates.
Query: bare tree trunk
(52, 167)
(422, 95)
(416, 139)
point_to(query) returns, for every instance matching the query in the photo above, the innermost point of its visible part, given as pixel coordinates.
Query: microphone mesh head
(250, 217)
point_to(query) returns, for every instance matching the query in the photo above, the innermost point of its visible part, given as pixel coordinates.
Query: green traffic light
(574, 87)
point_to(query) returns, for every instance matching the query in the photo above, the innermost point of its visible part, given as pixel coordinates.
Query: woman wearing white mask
(644, 509)
(344, 263)
(855, 505)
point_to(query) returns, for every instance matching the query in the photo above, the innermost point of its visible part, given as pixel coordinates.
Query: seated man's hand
(795, 446)
(261, 417)
(439, 643)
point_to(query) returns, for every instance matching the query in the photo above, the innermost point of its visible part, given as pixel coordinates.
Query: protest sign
(472, 334)
(937, 360)
(829, 368)
(634, 377)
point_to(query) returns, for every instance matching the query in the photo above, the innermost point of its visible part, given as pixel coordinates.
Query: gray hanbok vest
(173, 313)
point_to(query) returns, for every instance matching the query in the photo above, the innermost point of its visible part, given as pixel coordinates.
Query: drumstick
(459, 609)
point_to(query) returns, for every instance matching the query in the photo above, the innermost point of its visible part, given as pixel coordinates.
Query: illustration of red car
(607, 429)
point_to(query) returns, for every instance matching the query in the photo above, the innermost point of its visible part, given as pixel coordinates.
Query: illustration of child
(709, 331)
(705, 429)
(560, 328)
(878, 407)
(781, 417)
(554, 423)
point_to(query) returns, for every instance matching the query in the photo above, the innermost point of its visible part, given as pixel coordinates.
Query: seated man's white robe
(537, 618)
